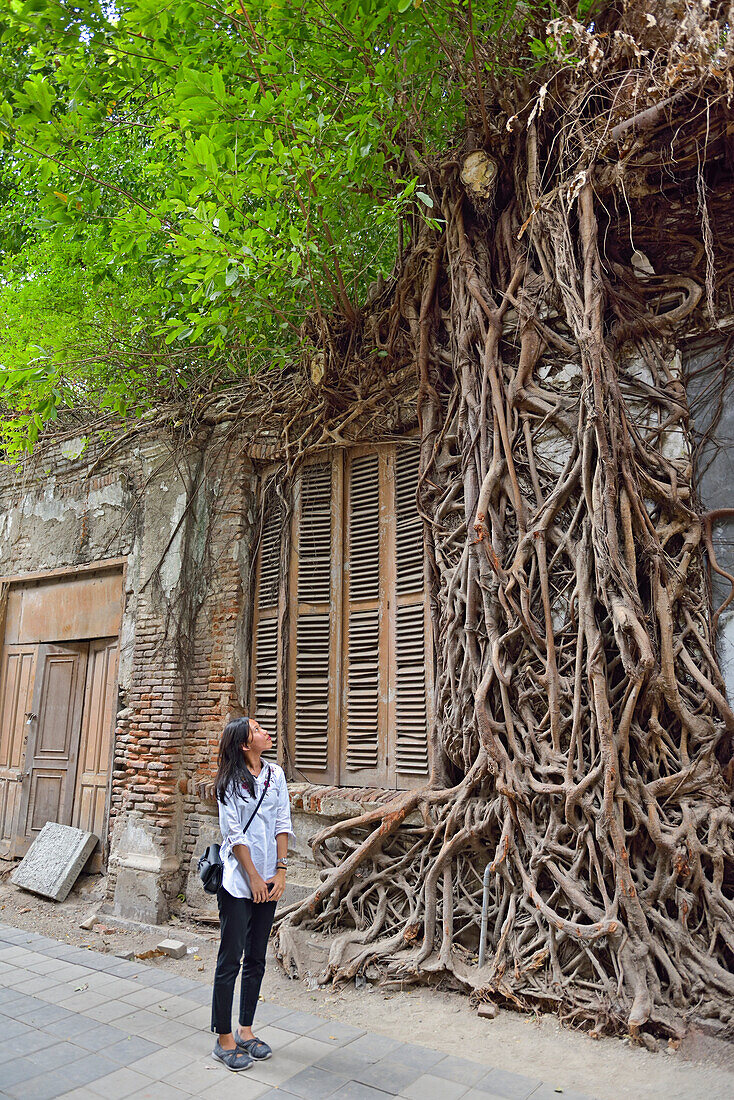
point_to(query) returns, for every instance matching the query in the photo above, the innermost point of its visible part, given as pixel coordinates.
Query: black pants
(244, 927)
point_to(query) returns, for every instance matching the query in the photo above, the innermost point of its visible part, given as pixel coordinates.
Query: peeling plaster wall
(708, 368)
(182, 521)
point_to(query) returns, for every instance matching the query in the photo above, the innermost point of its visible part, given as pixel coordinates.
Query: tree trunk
(580, 710)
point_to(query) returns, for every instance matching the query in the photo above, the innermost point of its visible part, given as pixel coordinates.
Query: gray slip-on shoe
(235, 1060)
(256, 1048)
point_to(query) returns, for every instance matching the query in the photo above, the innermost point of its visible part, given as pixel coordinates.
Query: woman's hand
(278, 881)
(258, 886)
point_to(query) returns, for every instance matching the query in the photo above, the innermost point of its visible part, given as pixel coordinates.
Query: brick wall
(182, 519)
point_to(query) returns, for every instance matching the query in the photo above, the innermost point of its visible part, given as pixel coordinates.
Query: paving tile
(6, 994)
(374, 1047)
(80, 1094)
(511, 1086)
(32, 983)
(459, 1069)
(143, 998)
(175, 985)
(159, 1091)
(549, 1092)
(428, 1087)
(276, 1071)
(80, 1002)
(199, 1018)
(19, 1069)
(275, 1037)
(201, 1043)
(40, 1088)
(313, 1083)
(354, 1090)
(96, 980)
(336, 1033)
(98, 1037)
(202, 995)
(240, 1086)
(24, 1043)
(392, 1077)
(301, 1022)
(53, 1054)
(21, 979)
(10, 1028)
(267, 1012)
(130, 1049)
(19, 1004)
(410, 1054)
(164, 1032)
(89, 1069)
(152, 979)
(43, 966)
(43, 1014)
(199, 1076)
(69, 1030)
(308, 1049)
(55, 994)
(172, 1006)
(345, 1061)
(119, 1084)
(479, 1094)
(109, 1012)
(163, 1062)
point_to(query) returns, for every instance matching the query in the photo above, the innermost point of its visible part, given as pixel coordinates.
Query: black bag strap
(262, 796)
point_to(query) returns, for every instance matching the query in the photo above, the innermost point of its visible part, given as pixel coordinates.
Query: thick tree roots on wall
(582, 733)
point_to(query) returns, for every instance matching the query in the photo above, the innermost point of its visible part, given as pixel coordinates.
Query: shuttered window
(265, 706)
(346, 613)
(313, 620)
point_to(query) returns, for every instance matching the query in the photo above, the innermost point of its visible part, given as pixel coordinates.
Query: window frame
(289, 607)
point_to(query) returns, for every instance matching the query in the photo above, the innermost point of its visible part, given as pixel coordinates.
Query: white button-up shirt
(273, 817)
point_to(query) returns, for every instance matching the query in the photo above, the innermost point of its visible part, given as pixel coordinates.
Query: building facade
(151, 591)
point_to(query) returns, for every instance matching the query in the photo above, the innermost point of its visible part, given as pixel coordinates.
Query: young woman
(255, 820)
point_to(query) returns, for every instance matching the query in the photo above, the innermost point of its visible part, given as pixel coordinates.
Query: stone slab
(174, 948)
(54, 860)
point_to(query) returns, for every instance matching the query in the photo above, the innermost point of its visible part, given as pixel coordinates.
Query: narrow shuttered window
(364, 664)
(411, 745)
(265, 671)
(313, 619)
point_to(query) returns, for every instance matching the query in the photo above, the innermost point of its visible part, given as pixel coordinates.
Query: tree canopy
(184, 183)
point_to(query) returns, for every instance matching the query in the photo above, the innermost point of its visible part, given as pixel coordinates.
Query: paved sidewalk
(77, 1023)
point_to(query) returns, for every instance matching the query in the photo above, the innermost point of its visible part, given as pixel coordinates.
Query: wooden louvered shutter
(364, 719)
(410, 671)
(312, 625)
(266, 648)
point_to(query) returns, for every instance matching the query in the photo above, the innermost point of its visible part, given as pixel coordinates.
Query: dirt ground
(610, 1069)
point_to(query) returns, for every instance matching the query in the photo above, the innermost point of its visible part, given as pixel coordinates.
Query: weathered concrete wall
(710, 386)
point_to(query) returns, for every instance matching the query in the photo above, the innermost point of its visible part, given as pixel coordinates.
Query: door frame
(11, 581)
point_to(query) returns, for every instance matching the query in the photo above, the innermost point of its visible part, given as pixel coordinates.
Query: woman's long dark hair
(231, 765)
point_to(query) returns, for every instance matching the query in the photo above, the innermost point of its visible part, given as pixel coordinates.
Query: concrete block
(139, 896)
(54, 860)
(174, 948)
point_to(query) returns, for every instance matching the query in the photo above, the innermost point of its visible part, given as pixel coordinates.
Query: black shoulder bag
(211, 868)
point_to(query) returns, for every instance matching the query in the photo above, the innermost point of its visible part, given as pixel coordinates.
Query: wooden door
(16, 704)
(53, 744)
(98, 719)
